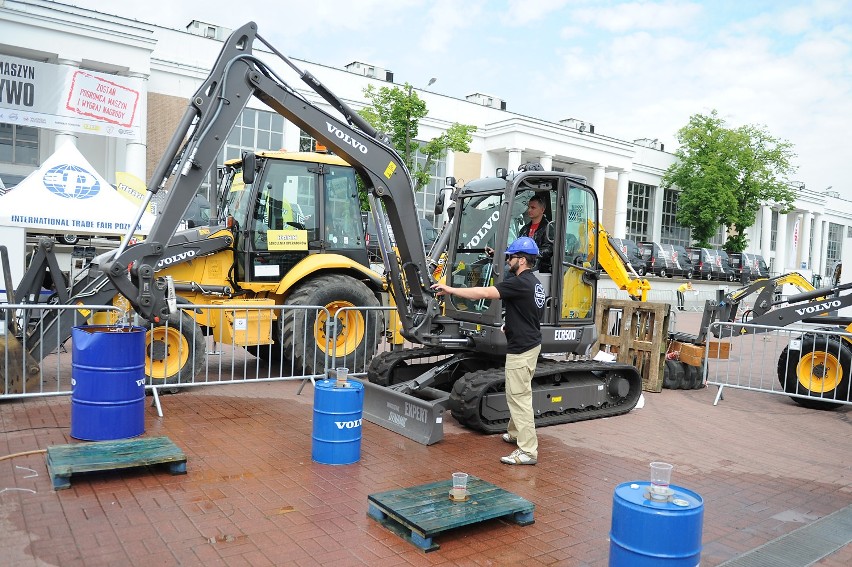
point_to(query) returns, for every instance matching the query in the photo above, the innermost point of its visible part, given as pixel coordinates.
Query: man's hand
(489, 251)
(441, 289)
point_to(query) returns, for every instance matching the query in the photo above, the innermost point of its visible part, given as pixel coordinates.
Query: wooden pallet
(65, 460)
(636, 331)
(419, 513)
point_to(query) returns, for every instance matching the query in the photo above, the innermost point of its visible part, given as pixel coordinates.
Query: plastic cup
(661, 475)
(459, 481)
(341, 372)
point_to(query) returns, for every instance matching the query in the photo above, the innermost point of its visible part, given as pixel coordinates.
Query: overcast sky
(634, 69)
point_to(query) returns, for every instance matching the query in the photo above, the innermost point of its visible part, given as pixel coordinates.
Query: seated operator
(537, 230)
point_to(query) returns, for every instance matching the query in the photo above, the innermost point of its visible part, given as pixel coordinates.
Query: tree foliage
(725, 175)
(397, 111)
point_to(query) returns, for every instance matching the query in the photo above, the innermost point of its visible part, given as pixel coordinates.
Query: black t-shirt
(523, 298)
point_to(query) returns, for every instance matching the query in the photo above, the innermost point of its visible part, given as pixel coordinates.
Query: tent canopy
(67, 196)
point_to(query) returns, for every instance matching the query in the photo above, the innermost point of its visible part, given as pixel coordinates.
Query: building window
(426, 198)
(773, 234)
(639, 198)
(18, 144)
(307, 143)
(833, 248)
(670, 231)
(255, 130)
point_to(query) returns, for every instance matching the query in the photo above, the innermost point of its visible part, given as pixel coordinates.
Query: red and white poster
(59, 97)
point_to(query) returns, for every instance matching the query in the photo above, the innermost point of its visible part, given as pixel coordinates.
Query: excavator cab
(491, 213)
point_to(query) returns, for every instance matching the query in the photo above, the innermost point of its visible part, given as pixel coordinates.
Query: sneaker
(519, 457)
(509, 439)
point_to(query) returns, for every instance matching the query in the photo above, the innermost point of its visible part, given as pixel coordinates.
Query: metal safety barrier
(811, 365)
(198, 345)
(33, 358)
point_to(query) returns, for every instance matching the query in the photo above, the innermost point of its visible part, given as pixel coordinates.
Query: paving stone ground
(252, 495)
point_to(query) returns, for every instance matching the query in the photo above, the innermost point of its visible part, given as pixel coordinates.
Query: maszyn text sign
(43, 95)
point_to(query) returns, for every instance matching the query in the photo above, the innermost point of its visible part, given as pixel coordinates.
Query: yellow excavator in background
(615, 263)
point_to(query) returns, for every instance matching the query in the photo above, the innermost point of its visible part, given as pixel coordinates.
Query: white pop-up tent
(67, 196)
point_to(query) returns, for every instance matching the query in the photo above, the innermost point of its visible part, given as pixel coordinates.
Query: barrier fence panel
(374, 324)
(810, 365)
(34, 360)
(197, 345)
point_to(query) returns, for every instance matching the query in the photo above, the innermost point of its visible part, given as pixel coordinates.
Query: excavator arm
(237, 76)
(615, 264)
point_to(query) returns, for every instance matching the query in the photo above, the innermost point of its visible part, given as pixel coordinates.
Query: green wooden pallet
(419, 513)
(65, 460)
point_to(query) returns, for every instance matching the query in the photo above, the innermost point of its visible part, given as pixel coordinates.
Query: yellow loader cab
(291, 236)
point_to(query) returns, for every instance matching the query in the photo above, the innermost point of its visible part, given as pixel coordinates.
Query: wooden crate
(689, 354)
(719, 349)
(636, 332)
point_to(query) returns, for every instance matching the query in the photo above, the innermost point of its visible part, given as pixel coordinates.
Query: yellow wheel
(343, 331)
(174, 350)
(349, 335)
(819, 370)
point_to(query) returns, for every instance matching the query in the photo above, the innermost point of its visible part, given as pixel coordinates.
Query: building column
(805, 239)
(781, 244)
(546, 162)
(598, 183)
(766, 232)
(620, 228)
(64, 136)
(135, 150)
(817, 248)
(514, 158)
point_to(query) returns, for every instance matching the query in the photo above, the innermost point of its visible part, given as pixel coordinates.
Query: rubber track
(468, 391)
(382, 365)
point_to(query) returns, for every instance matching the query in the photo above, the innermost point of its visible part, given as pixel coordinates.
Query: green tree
(397, 111)
(725, 174)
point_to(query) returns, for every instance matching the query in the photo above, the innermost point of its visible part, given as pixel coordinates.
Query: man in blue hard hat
(523, 298)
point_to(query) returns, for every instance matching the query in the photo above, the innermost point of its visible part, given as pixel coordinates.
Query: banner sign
(44, 95)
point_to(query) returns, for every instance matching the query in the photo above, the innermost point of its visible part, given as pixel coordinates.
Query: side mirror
(450, 181)
(249, 167)
(439, 204)
(501, 172)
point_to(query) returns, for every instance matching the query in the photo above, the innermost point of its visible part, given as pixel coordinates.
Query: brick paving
(252, 495)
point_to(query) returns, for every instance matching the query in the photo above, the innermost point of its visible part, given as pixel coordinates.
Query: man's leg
(519, 372)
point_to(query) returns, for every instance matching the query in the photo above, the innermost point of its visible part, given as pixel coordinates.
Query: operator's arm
(468, 292)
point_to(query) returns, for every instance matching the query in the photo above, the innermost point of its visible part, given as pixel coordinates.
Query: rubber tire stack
(678, 375)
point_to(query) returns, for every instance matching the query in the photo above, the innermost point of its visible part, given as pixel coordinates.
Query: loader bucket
(17, 368)
(419, 418)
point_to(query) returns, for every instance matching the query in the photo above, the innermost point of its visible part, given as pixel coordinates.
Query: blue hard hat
(524, 245)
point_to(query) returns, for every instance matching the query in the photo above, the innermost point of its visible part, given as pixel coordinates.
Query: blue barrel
(337, 422)
(107, 382)
(647, 533)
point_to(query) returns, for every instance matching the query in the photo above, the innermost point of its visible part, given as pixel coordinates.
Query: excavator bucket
(419, 418)
(17, 367)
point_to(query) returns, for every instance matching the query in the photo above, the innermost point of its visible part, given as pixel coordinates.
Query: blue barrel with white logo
(337, 422)
(107, 382)
(649, 533)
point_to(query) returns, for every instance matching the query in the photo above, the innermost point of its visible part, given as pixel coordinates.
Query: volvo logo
(176, 258)
(828, 306)
(348, 424)
(483, 231)
(340, 134)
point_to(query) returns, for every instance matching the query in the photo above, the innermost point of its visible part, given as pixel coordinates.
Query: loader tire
(304, 331)
(672, 375)
(820, 369)
(690, 377)
(175, 350)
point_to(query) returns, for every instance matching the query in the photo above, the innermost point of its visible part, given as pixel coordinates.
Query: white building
(46, 47)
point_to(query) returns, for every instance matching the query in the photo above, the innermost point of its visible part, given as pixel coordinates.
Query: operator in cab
(523, 298)
(536, 229)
